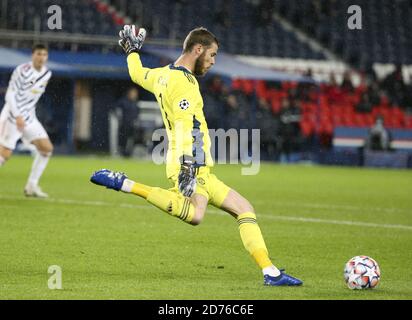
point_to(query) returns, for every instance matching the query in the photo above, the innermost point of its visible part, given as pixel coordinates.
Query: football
(362, 272)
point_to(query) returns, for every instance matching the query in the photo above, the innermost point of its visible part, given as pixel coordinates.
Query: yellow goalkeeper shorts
(208, 185)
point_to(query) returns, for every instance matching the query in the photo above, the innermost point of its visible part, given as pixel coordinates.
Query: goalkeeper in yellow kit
(188, 158)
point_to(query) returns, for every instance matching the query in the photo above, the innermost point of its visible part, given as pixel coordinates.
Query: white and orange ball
(362, 272)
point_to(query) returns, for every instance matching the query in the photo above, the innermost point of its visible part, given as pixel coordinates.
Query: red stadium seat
(360, 120)
(408, 122)
(102, 7)
(370, 120)
(236, 84)
(338, 120)
(349, 119)
(248, 86)
(311, 107)
(326, 127)
(261, 90)
(393, 122)
(275, 104)
(307, 128)
(118, 19)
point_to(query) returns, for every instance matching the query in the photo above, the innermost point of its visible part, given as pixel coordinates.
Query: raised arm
(131, 40)
(140, 75)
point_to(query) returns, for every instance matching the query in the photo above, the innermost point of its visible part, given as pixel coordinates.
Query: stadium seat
(386, 39)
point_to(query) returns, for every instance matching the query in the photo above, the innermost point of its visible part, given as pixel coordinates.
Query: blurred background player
(129, 113)
(188, 158)
(18, 117)
(379, 137)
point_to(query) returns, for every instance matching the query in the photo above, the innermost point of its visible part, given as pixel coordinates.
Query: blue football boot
(109, 179)
(282, 280)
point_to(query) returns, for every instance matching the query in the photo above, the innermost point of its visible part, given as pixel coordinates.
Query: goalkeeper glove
(129, 40)
(187, 176)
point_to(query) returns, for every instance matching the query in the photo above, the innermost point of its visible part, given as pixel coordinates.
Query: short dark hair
(38, 46)
(201, 36)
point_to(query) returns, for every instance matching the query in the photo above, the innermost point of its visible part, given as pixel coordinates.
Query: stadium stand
(79, 16)
(385, 35)
(230, 20)
(313, 111)
(327, 106)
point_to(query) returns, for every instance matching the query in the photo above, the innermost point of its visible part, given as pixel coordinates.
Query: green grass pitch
(116, 246)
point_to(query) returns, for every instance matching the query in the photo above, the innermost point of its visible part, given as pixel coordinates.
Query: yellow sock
(253, 240)
(141, 190)
(171, 202)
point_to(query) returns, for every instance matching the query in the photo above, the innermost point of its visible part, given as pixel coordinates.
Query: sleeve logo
(184, 104)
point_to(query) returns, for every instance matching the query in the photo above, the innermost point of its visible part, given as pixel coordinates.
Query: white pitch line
(340, 222)
(336, 206)
(326, 221)
(216, 211)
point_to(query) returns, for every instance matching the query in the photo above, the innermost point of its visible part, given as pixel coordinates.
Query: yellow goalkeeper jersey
(177, 92)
